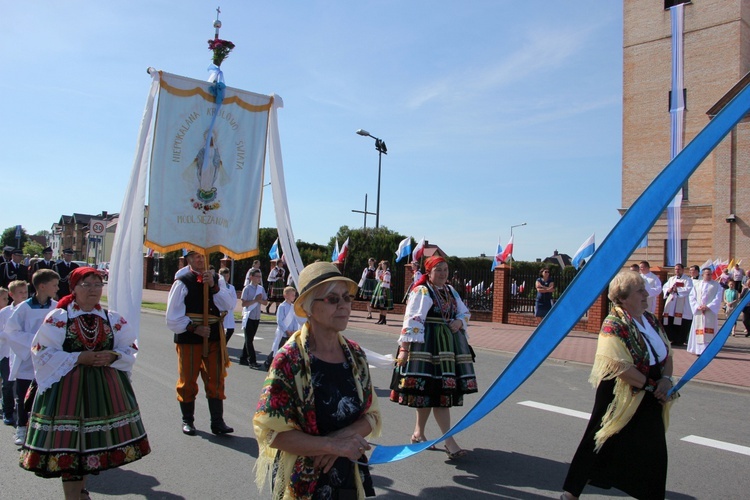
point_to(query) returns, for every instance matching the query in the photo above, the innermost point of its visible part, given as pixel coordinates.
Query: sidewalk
(731, 367)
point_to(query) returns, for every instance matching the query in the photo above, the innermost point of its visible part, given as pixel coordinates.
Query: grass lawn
(159, 306)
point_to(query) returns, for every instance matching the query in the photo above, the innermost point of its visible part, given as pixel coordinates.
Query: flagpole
(511, 239)
(205, 303)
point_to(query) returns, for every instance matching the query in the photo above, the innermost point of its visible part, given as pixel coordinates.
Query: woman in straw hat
(434, 365)
(318, 403)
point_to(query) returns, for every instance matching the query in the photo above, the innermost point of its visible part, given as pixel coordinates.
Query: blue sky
(495, 113)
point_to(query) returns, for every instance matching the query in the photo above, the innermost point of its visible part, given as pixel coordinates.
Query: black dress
(634, 460)
(337, 406)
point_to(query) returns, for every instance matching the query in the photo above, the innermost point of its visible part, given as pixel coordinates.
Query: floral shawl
(287, 403)
(620, 346)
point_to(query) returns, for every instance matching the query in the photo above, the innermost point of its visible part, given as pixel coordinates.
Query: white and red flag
(419, 250)
(507, 252)
(343, 251)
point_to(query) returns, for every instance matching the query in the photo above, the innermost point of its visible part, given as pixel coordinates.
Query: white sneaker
(20, 436)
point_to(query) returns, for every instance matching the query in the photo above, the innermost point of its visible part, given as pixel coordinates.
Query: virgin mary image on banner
(209, 172)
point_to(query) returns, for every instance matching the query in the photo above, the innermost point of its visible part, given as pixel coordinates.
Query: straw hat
(317, 274)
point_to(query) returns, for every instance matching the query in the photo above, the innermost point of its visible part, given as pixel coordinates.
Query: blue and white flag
(498, 253)
(404, 248)
(274, 252)
(335, 254)
(584, 251)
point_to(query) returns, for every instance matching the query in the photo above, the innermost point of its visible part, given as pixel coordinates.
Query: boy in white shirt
(20, 330)
(286, 323)
(18, 291)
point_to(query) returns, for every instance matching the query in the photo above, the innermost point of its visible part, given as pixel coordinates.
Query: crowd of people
(65, 362)
(318, 407)
(694, 301)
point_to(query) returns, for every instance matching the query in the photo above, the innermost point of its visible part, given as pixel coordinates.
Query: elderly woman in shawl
(318, 403)
(624, 445)
(85, 417)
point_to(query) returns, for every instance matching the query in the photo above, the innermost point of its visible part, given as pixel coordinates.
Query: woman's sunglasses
(335, 299)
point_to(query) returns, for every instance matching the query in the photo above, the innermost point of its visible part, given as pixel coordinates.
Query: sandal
(456, 454)
(369, 316)
(85, 494)
(421, 439)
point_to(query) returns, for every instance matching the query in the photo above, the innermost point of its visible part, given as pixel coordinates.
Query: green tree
(380, 244)
(33, 248)
(8, 239)
(311, 252)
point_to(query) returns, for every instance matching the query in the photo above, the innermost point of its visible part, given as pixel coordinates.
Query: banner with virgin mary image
(207, 160)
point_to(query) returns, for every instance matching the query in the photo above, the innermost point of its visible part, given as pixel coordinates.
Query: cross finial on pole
(217, 23)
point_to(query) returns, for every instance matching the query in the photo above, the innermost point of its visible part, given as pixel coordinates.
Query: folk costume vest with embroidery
(194, 305)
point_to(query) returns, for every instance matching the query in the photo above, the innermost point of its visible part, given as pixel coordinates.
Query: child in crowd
(286, 323)
(731, 299)
(253, 296)
(229, 318)
(20, 330)
(7, 394)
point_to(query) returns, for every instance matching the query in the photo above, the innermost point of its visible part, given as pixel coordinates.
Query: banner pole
(205, 304)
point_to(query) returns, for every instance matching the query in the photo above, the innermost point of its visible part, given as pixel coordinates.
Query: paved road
(518, 451)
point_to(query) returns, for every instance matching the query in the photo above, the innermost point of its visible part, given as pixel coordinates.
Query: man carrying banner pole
(196, 307)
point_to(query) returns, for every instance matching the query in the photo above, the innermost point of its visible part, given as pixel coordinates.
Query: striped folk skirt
(368, 288)
(382, 298)
(87, 422)
(438, 372)
(276, 290)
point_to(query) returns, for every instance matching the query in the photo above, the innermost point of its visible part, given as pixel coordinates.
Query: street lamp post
(380, 146)
(511, 238)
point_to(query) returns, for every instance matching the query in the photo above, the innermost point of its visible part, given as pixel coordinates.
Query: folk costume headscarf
(429, 265)
(621, 345)
(287, 403)
(74, 278)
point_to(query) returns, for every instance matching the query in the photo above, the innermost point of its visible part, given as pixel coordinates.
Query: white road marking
(712, 443)
(557, 409)
(240, 334)
(736, 448)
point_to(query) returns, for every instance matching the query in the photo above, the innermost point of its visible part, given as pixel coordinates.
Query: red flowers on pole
(221, 49)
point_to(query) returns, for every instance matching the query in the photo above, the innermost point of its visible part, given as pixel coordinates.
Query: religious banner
(206, 173)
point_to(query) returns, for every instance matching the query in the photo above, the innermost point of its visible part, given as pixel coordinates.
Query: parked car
(103, 268)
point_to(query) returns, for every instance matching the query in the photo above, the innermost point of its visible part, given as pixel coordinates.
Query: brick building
(716, 56)
(72, 231)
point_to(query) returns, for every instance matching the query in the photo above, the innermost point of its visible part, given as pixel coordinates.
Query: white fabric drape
(126, 273)
(677, 112)
(278, 188)
(124, 291)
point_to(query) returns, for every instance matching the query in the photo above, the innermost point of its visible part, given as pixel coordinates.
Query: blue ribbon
(714, 347)
(596, 274)
(217, 89)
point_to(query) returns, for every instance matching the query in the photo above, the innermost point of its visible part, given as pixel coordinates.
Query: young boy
(18, 290)
(253, 296)
(286, 323)
(20, 330)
